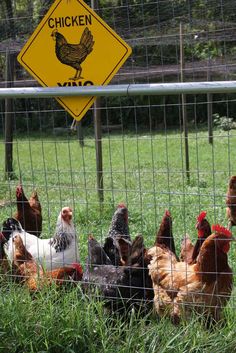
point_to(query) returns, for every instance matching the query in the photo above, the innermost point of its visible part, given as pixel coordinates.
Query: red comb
(222, 230)
(167, 213)
(201, 216)
(121, 205)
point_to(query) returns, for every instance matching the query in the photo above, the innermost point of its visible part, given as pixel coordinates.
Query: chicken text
(70, 21)
(86, 83)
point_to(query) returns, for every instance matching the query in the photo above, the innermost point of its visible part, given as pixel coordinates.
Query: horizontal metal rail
(121, 90)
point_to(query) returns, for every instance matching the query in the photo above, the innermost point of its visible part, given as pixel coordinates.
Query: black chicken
(96, 254)
(122, 287)
(73, 54)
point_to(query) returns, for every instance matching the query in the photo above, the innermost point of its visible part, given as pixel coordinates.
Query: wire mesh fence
(143, 167)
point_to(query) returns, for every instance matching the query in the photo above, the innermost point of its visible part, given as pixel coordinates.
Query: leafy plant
(224, 123)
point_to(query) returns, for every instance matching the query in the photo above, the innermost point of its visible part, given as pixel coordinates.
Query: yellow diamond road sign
(73, 46)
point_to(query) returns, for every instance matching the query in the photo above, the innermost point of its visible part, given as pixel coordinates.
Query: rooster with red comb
(189, 252)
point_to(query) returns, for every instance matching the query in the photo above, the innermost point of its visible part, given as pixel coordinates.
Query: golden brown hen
(186, 251)
(205, 286)
(33, 275)
(24, 266)
(73, 54)
(29, 212)
(231, 202)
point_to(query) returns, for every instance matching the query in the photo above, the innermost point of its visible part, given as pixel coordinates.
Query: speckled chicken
(73, 54)
(119, 229)
(52, 253)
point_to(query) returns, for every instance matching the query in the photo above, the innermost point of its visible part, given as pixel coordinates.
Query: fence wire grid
(142, 172)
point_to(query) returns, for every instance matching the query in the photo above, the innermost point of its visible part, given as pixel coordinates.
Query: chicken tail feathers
(164, 235)
(64, 273)
(87, 40)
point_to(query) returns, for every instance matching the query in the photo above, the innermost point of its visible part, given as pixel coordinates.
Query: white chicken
(58, 251)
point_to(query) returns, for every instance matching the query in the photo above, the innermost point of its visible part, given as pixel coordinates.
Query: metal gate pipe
(121, 90)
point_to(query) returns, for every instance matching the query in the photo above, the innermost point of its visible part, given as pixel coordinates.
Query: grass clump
(66, 321)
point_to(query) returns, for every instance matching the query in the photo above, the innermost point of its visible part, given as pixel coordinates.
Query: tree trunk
(10, 18)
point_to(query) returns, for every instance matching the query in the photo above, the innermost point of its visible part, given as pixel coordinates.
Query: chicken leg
(77, 75)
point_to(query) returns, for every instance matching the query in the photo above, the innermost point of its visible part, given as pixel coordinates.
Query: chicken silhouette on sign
(73, 54)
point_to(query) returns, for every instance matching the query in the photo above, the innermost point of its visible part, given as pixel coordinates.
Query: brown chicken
(29, 212)
(186, 251)
(205, 286)
(189, 252)
(33, 275)
(4, 264)
(231, 202)
(34, 201)
(73, 54)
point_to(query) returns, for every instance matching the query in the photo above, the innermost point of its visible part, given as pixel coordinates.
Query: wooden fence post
(209, 110)
(98, 136)
(98, 145)
(80, 134)
(183, 98)
(8, 118)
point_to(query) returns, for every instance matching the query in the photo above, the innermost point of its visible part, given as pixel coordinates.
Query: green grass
(147, 172)
(65, 321)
